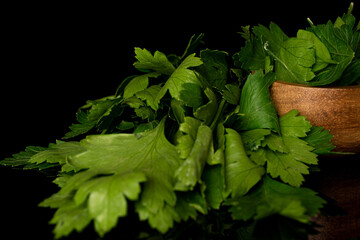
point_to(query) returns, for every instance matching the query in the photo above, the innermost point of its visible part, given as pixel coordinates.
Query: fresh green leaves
(295, 60)
(157, 62)
(256, 108)
(116, 164)
(195, 147)
(272, 197)
(241, 173)
(319, 55)
(292, 125)
(322, 54)
(320, 139)
(97, 114)
(106, 198)
(183, 138)
(138, 84)
(58, 154)
(22, 159)
(286, 155)
(214, 68)
(338, 41)
(183, 84)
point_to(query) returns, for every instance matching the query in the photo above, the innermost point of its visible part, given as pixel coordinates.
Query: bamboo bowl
(334, 108)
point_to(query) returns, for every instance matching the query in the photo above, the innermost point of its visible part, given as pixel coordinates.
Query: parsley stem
(220, 109)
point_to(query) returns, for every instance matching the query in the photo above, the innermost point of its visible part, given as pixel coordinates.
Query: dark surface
(339, 179)
(59, 56)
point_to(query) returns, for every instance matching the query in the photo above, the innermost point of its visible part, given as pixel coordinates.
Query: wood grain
(335, 108)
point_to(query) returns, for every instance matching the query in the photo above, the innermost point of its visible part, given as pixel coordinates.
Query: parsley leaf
(289, 166)
(58, 154)
(83, 126)
(253, 139)
(338, 43)
(157, 62)
(256, 108)
(286, 155)
(293, 125)
(183, 84)
(98, 114)
(70, 217)
(138, 84)
(320, 55)
(320, 139)
(295, 60)
(197, 149)
(105, 197)
(208, 111)
(272, 197)
(214, 68)
(124, 160)
(252, 55)
(241, 173)
(22, 158)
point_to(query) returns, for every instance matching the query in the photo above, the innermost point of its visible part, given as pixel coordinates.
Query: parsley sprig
(322, 54)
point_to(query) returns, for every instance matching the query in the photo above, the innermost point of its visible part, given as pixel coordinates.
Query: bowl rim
(317, 87)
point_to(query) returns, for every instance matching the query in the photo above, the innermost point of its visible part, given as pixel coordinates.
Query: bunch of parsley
(186, 142)
(324, 54)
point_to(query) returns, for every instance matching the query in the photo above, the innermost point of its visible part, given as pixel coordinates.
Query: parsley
(116, 165)
(272, 197)
(322, 54)
(187, 139)
(256, 107)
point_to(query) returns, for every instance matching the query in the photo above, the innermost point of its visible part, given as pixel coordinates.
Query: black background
(55, 57)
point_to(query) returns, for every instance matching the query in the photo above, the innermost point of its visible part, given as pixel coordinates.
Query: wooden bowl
(334, 108)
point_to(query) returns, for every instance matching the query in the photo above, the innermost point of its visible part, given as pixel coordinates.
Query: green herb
(180, 142)
(322, 54)
(295, 203)
(256, 108)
